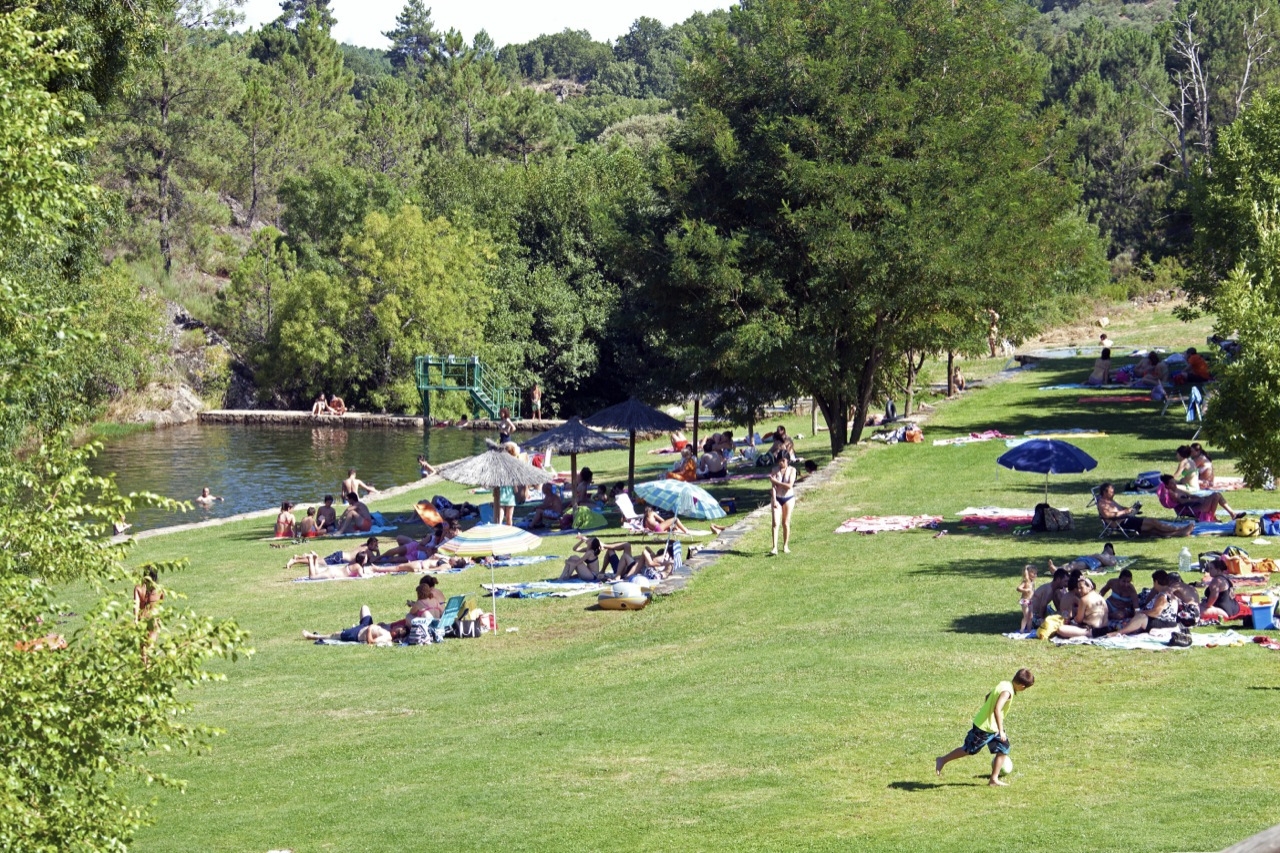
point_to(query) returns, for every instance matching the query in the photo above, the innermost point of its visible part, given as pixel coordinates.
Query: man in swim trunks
(1091, 563)
(357, 516)
(337, 407)
(1127, 517)
(1049, 594)
(354, 484)
(364, 631)
(326, 517)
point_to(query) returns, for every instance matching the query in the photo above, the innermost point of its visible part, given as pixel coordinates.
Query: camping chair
(1110, 526)
(631, 520)
(1179, 510)
(449, 615)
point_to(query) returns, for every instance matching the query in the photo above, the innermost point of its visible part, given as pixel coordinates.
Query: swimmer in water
(207, 499)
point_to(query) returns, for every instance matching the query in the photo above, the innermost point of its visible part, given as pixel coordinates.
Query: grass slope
(777, 703)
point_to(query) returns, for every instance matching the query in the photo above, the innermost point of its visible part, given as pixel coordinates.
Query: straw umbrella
(494, 469)
(572, 437)
(633, 416)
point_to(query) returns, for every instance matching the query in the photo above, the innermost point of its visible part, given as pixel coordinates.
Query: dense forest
(333, 210)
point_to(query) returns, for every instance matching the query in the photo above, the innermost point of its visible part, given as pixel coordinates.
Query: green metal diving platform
(489, 392)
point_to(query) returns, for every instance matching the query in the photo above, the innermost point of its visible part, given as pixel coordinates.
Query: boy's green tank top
(985, 719)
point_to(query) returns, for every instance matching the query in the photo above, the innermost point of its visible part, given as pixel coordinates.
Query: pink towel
(882, 523)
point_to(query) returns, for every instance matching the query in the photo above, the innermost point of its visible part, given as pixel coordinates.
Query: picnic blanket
(971, 438)
(1214, 528)
(1073, 386)
(1118, 398)
(1154, 641)
(987, 512)
(881, 523)
(543, 589)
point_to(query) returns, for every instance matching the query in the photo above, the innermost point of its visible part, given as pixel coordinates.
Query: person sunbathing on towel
(1090, 563)
(334, 566)
(356, 518)
(653, 566)
(655, 523)
(364, 631)
(1127, 517)
(1204, 507)
(409, 550)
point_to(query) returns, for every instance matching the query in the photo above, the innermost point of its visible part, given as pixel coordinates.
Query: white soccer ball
(1006, 766)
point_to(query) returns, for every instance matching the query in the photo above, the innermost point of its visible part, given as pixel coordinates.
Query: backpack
(418, 633)
(764, 460)
(1147, 481)
(1051, 519)
(1271, 524)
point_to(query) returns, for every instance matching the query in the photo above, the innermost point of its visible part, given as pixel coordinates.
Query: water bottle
(1184, 560)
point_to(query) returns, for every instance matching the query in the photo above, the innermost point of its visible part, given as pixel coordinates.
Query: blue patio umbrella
(1047, 456)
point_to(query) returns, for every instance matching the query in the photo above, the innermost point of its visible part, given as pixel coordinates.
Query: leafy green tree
(393, 128)
(826, 162)
(82, 712)
(324, 206)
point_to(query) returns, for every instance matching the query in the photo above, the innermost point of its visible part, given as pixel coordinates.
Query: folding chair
(631, 520)
(1195, 410)
(1110, 526)
(450, 614)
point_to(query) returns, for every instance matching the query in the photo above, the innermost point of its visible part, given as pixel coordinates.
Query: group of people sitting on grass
(1151, 371)
(597, 562)
(429, 603)
(1119, 608)
(324, 520)
(408, 555)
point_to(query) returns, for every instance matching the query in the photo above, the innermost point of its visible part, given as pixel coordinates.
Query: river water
(256, 467)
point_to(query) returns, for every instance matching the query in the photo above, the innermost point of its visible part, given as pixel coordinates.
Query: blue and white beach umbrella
(684, 499)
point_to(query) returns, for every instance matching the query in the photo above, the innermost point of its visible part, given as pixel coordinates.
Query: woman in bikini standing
(783, 480)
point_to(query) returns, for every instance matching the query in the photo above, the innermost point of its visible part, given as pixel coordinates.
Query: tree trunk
(162, 169)
(697, 402)
(951, 373)
(835, 410)
(914, 367)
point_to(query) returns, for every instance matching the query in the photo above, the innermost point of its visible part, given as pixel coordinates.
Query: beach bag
(764, 460)
(581, 517)
(913, 435)
(1237, 565)
(418, 633)
(1051, 519)
(469, 629)
(1048, 627)
(1270, 524)
(1248, 527)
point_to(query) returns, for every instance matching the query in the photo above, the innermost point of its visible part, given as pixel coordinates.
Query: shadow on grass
(992, 624)
(915, 787)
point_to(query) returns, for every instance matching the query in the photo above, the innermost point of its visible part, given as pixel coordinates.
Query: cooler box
(729, 505)
(1264, 618)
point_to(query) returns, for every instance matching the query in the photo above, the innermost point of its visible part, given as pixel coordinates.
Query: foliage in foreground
(82, 708)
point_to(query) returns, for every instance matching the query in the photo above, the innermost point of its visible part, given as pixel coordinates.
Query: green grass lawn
(777, 703)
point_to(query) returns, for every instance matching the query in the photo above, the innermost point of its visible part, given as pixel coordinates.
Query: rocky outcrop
(168, 405)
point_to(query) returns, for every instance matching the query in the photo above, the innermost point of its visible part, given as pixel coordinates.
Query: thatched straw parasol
(573, 437)
(494, 469)
(633, 416)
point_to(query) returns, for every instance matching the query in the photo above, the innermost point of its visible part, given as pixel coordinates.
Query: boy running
(988, 726)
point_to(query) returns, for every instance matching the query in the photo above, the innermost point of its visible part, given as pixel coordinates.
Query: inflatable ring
(623, 596)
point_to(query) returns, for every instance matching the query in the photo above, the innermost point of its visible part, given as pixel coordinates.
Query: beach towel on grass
(1155, 641)
(882, 523)
(1075, 386)
(1118, 398)
(544, 589)
(1215, 528)
(971, 438)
